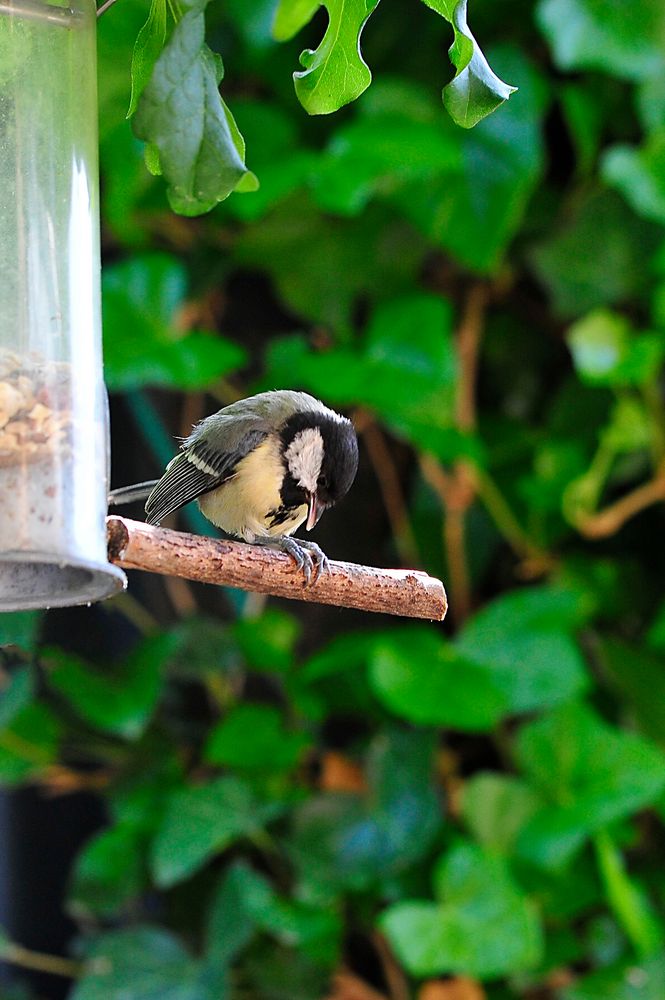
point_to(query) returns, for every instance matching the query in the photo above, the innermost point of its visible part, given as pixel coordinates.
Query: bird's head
(321, 457)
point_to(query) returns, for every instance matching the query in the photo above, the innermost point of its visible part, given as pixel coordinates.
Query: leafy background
(248, 799)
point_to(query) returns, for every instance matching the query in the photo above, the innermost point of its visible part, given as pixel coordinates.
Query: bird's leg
(307, 556)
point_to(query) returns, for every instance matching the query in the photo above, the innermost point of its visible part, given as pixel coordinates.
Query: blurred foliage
(192, 136)
(307, 806)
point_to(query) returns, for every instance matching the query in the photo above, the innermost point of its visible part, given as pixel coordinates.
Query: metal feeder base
(40, 580)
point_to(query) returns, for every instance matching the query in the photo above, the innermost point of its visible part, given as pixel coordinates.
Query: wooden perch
(134, 545)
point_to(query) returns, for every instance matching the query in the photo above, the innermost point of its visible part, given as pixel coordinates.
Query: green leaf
(639, 174)
(651, 100)
(18, 690)
(109, 873)
(356, 259)
(149, 44)
(606, 351)
(579, 280)
(588, 775)
(638, 675)
(335, 73)
(202, 821)
(629, 903)
(495, 807)
(280, 158)
(245, 901)
(181, 113)
(142, 343)
(475, 213)
(291, 16)
(627, 981)
(127, 187)
(482, 927)
(406, 370)
(232, 921)
(623, 39)
(143, 962)
(630, 427)
(475, 91)
(584, 117)
(30, 744)
(268, 642)
(20, 628)
(598, 344)
(254, 738)
(119, 698)
(379, 155)
(530, 628)
(425, 680)
(352, 840)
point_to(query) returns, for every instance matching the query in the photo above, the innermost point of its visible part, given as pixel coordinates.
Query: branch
(134, 545)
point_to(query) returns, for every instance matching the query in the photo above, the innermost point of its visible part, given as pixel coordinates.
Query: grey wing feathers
(200, 467)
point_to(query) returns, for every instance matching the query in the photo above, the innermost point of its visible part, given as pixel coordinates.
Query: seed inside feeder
(36, 428)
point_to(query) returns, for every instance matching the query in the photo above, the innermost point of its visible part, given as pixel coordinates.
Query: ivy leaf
(475, 212)
(20, 628)
(291, 16)
(108, 872)
(423, 679)
(351, 840)
(588, 775)
(623, 39)
(625, 981)
(639, 174)
(532, 628)
(202, 821)
(335, 73)
(245, 901)
(182, 115)
(254, 738)
(475, 90)
(144, 962)
(149, 44)
(119, 699)
(32, 741)
(579, 280)
(142, 342)
(638, 675)
(17, 691)
(484, 926)
(495, 808)
(606, 350)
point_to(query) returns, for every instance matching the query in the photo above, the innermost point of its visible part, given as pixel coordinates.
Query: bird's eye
(322, 482)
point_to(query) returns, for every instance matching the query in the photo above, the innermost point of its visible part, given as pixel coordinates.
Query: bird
(259, 469)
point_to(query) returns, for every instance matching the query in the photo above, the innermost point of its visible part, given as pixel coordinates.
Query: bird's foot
(308, 556)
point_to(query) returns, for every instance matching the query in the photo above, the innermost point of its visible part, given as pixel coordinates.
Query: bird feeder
(54, 437)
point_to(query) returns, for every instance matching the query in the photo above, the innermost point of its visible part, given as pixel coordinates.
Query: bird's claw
(308, 557)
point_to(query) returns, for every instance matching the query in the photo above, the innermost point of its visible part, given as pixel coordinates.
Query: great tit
(260, 468)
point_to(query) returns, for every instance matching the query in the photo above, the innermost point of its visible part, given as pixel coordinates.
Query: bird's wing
(201, 466)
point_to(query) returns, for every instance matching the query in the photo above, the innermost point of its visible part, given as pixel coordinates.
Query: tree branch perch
(410, 593)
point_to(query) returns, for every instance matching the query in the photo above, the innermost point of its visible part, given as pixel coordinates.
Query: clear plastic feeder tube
(53, 408)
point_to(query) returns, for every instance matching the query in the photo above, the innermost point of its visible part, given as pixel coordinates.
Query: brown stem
(410, 593)
(16, 954)
(104, 7)
(396, 981)
(469, 334)
(608, 521)
(454, 538)
(391, 492)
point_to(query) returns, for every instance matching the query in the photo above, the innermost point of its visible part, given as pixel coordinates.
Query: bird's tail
(128, 494)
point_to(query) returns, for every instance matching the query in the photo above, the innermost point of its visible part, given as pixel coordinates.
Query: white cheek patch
(305, 458)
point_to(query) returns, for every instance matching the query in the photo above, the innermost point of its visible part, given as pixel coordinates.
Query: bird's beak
(314, 511)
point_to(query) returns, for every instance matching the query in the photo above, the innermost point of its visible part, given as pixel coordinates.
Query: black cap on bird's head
(320, 451)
